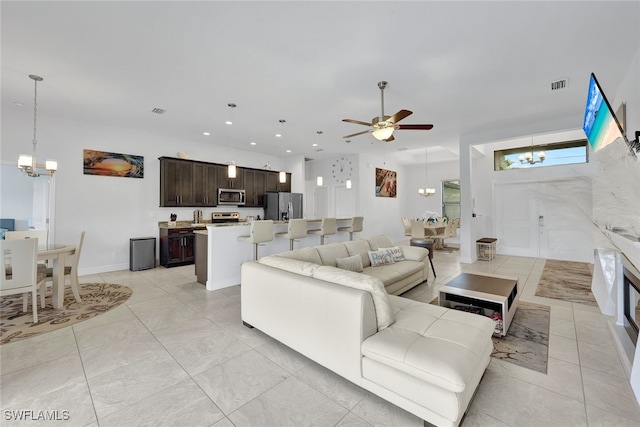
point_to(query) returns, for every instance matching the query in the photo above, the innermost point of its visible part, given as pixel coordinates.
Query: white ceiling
(468, 68)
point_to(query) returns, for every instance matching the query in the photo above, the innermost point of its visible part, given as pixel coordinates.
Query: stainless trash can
(142, 253)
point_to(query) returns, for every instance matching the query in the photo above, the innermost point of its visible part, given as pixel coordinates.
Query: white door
(321, 202)
(516, 208)
(566, 226)
(547, 219)
(344, 203)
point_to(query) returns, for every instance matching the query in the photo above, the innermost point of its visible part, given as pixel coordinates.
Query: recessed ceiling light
(278, 135)
(18, 104)
(228, 122)
(314, 145)
(288, 151)
(206, 133)
(252, 143)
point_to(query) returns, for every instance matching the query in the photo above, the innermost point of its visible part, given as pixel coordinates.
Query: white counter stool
(327, 227)
(296, 229)
(355, 227)
(261, 232)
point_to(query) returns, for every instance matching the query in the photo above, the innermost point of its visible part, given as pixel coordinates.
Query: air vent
(319, 149)
(159, 111)
(559, 84)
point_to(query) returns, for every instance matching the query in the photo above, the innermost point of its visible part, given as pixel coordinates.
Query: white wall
(414, 178)
(110, 209)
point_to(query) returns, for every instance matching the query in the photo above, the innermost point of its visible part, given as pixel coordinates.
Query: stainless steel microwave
(231, 196)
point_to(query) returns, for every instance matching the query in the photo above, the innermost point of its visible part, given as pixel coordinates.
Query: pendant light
(528, 157)
(319, 180)
(231, 169)
(282, 176)
(426, 191)
(27, 163)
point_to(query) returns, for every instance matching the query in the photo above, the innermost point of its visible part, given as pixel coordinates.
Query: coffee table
(496, 296)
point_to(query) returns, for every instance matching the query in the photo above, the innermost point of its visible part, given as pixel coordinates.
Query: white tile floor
(175, 354)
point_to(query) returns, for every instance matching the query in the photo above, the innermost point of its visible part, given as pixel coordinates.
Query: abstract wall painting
(385, 183)
(113, 164)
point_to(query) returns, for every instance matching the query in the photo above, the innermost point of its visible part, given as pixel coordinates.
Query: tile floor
(175, 354)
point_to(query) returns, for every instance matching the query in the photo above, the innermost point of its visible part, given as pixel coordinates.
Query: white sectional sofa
(423, 358)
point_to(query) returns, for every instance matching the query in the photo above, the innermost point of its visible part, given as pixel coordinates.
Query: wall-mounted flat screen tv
(600, 123)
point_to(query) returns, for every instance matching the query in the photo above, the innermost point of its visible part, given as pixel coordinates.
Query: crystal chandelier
(27, 163)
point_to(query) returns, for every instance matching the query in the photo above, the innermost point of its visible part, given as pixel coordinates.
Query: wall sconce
(348, 184)
(319, 181)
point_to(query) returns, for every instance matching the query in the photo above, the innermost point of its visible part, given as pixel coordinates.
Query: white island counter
(225, 253)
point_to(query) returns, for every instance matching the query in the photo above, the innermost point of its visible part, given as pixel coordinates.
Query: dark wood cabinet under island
(177, 246)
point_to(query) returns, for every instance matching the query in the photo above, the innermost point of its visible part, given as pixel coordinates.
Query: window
(451, 199)
(562, 153)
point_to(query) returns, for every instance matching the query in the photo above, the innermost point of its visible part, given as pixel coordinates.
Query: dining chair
(41, 235)
(261, 232)
(19, 273)
(327, 227)
(419, 238)
(69, 271)
(406, 224)
(296, 229)
(446, 233)
(355, 227)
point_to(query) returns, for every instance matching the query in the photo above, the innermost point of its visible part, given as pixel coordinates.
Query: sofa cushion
(290, 264)
(380, 257)
(394, 272)
(329, 253)
(352, 263)
(380, 241)
(395, 252)
(437, 345)
(384, 312)
(303, 254)
(359, 247)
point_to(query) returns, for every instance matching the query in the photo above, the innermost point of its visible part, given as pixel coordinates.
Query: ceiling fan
(382, 127)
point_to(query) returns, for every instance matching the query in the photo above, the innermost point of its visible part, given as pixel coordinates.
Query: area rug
(567, 281)
(97, 298)
(527, 341)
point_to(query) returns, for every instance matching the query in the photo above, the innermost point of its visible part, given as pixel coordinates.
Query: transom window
(563, 153)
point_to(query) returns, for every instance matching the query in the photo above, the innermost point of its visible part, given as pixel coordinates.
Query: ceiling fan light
(384, 133)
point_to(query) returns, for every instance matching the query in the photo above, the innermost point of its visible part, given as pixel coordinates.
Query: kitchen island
(225, 254)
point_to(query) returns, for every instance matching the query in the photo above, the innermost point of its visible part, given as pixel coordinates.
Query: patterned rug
(97, 298)
(567, 281)
(527, 341)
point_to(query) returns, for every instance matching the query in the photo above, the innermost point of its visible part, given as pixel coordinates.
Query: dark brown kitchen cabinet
(205, 179)
(274, 184)
(177, 246)
(225, 182)
(254, 186)
(175, 182)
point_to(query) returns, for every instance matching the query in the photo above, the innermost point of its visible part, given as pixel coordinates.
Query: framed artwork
(113, 164)
(385, 183)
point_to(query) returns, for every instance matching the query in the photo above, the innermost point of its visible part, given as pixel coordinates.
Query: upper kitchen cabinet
(205, 178)
(225, 182)
(274, 184)
(175, 182)
(254, 186)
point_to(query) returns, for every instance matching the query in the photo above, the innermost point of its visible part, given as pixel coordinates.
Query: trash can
(142, 253)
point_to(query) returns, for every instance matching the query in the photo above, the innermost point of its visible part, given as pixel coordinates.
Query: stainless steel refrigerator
(283, 206)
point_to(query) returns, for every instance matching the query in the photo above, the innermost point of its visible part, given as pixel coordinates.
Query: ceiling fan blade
(356, 122)
(399, 116)
(414, 127)
(356, 134)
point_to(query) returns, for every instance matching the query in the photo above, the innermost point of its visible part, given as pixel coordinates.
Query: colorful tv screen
(600, 124)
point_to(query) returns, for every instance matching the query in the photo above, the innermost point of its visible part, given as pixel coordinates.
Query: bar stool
(261, 232)
(356, 226)
(327, 227)
(418, 238)
(296, 229)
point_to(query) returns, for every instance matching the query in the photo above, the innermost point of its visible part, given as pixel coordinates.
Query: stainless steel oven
(231, 196)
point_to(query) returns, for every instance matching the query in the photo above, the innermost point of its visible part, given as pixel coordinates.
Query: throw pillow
(352, 263)
(396, 253)
(380, 257)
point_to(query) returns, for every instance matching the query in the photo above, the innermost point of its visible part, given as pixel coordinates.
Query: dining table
(57, 254)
